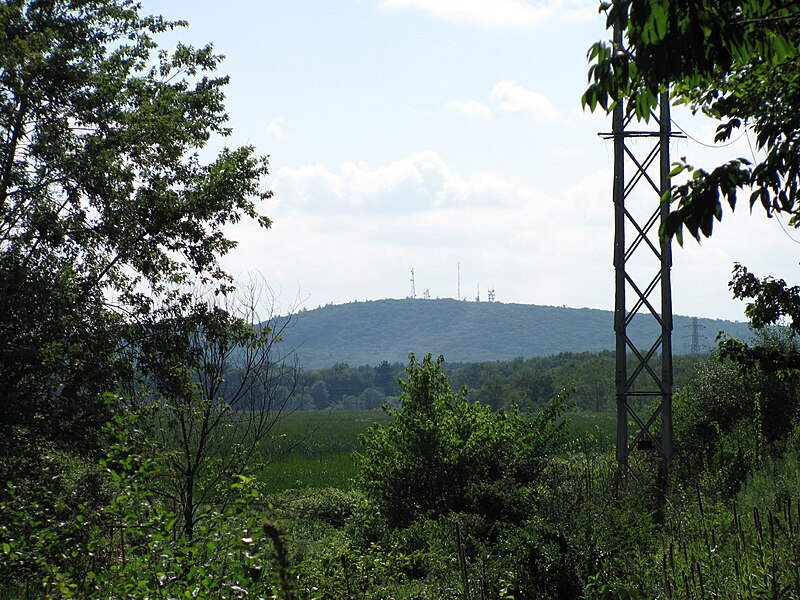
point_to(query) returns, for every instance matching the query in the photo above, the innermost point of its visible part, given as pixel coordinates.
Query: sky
(447, 137)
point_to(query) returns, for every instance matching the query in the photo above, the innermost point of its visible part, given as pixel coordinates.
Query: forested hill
(361, 333)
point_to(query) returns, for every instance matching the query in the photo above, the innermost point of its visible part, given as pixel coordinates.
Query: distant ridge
(366, 333)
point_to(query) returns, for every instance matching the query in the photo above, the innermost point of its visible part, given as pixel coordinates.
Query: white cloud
(419, 181)
(512, 97)
(471, 108)
(499, 14)
(275, 128)
(356, 230)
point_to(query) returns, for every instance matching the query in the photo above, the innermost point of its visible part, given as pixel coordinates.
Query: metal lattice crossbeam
(642, 263)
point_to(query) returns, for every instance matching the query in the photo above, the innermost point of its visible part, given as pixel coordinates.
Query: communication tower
(478, 297)
(413, 285)
(491, 295)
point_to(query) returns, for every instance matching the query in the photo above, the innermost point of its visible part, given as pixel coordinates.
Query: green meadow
(316, 449)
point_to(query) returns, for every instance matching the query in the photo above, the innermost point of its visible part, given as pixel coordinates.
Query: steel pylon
(642, 264)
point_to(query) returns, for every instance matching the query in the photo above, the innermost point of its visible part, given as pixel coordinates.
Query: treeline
(527, 383)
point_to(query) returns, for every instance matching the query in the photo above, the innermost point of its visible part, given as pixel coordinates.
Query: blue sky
(426, 134)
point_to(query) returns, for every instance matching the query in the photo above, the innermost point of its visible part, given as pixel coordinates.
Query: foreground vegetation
(444, 497)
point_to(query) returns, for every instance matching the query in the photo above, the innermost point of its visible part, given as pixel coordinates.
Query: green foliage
(715, 431)
(107, 216)
(442, 454)
(574, 537)
(212, 382)
(100, 130)
(773, 308)
(126, 547)
(711, 549)
(106, 209)
(736, 62)
(738, 409)
(45, 513)
(728, 418)
(527, 383)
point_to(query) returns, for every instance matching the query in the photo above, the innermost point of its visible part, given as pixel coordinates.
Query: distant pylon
(696, 327)
(491, 295)
(413, 285)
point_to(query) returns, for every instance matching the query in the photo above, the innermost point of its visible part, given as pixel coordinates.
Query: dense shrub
(442, 453)
(730, 416)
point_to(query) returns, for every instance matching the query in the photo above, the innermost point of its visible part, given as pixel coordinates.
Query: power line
(696, 141)
(777, 215)
(750, 145)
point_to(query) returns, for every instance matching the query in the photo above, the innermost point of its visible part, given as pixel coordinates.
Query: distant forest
(528, 383)
(368, 333)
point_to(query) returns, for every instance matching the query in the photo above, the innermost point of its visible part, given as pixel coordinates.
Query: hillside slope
(361, 333)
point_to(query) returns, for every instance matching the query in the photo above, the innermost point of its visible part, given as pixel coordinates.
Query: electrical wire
(778, 218)
(777, 215)
(752, 152)
(696, 141)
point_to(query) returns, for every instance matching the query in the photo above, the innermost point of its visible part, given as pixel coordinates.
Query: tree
(534, 384)
(106, 209)
(443, 454)
(319, 394)
(774, 312)
(592, 381)
(496, 393)
(385, 379)
(736, 61)
(216, 380)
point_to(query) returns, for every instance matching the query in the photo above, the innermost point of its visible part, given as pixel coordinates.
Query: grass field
(315, 449)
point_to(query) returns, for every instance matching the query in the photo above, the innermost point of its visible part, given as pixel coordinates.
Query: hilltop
(361, 333)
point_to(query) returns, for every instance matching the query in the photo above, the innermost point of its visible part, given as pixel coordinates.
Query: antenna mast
(413, 285)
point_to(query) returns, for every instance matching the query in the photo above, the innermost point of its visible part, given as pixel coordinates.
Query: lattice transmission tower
(696, 327)
(643, 294)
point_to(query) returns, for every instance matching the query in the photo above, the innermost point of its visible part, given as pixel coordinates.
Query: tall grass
(316, 449)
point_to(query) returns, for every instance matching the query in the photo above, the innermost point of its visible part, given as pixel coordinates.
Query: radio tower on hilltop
(413, 285)
(491, 295)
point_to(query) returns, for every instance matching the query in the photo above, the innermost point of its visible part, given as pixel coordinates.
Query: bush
(442, 454)
(731, 415)
(327, 505)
